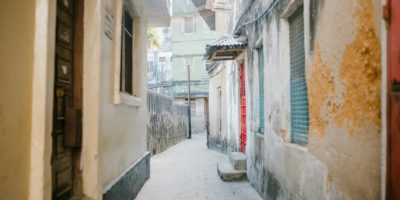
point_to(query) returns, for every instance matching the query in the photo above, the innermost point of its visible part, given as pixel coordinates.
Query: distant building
(190, 33)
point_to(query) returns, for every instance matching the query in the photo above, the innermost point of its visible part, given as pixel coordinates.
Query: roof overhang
(225, 48)
(157, 12)
(207, 14)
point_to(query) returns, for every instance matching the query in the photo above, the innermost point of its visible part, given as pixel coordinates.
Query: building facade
(190, 33)
(315, 98)
(72, 97)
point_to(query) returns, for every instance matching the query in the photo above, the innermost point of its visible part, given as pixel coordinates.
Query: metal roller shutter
(298, 86)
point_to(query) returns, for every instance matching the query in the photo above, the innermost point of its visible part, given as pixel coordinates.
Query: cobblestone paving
(188, 171)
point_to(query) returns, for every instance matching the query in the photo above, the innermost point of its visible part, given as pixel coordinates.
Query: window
(298, 86)
(260, 52)
(126, 81)
(188, 25)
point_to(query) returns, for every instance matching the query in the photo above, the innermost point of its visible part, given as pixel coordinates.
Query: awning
(225, 48)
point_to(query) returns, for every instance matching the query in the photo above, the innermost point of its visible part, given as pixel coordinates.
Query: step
(238, 160)
(228, 174)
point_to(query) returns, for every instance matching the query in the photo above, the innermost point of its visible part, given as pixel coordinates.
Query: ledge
(127, 99)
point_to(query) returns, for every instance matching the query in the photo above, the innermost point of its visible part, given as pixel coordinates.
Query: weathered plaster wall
(121, 124)
(17, 20)
(167, 123)
(343, 72)
(218, 109)
(198, 117)
(233, 105)
(345, 120)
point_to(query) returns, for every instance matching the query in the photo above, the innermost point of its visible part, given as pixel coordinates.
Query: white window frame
(183, 27)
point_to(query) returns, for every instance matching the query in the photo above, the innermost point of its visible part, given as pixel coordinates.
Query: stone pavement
(188, 171)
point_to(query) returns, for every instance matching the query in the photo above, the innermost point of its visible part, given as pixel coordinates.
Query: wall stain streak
(357, 103)
(2, 121)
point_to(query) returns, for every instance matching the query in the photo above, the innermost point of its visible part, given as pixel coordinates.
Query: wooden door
(67, 113)
(392, 15)
(242, 109)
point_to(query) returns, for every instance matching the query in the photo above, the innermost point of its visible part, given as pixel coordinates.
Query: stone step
(238, 160)
(227, 173)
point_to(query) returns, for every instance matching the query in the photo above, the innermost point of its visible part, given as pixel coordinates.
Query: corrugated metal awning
(225, 48)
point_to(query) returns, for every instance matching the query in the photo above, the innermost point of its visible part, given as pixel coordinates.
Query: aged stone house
(315, 96)
(73, 96)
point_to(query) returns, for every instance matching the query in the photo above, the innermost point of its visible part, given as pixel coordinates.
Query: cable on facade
(266, 12)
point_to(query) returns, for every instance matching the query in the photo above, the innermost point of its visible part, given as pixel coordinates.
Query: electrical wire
(267, 11)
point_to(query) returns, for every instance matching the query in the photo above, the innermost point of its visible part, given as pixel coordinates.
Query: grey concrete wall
(129, 184)
(167, 123)
(198, 116)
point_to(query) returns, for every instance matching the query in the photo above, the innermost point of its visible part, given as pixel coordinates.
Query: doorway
(67, 105)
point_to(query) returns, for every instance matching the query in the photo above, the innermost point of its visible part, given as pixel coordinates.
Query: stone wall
(167, 122)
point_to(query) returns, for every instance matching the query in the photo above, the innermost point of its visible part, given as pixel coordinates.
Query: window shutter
(298, 86)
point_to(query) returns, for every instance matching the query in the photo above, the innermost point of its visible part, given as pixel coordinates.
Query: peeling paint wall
(224, 110)
(218, 109)
(167, 123)
(343, 74)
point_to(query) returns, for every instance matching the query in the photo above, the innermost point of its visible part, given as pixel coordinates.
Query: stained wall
(343, 74)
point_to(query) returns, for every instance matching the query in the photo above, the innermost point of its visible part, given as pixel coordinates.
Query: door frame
(387, 79)
(42, 88)
(242, 83)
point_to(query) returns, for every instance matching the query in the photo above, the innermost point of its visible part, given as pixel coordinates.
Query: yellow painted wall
(16, 62)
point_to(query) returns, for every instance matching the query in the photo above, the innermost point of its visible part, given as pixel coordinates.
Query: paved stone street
(188, 171)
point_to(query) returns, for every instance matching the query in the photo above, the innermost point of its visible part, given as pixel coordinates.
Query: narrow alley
(188, 171)
(200, 99)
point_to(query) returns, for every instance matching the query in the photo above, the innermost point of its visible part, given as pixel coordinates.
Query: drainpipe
(189, 110)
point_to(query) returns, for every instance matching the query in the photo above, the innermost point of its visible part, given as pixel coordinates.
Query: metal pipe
(189, 107)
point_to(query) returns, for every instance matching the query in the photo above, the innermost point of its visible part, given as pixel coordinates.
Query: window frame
(184, 24)
(296, 137)
(261, 87)
(125, 78)
(120, 97)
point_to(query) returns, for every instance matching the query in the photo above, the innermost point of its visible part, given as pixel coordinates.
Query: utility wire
(264, 13)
